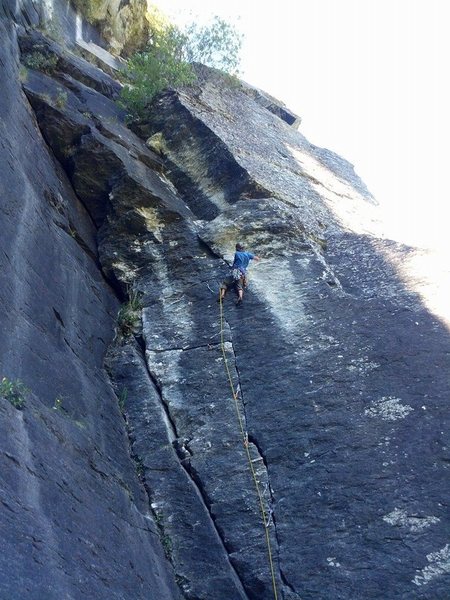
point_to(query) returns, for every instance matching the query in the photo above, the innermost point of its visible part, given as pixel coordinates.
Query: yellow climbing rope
(249, 458)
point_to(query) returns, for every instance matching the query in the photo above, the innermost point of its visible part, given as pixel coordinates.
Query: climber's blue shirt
(241, 260)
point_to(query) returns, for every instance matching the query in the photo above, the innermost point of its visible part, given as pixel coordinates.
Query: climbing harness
(237, 274)
(266, 519)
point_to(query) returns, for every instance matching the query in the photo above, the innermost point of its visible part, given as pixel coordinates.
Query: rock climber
(237, 278)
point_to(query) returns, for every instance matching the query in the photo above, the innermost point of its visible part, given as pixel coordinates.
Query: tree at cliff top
(216, 45)
(167, 60)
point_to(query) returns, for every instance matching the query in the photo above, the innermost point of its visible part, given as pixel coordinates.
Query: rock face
(75, 519)
(125, 474)
(123, 24)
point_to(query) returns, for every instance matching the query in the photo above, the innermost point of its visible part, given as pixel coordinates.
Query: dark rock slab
(352, 392)
(178, 505)
(342, 367)
(75, 519)
(23, 12)
(109, 121)
(273, 105)
(145, 225)
(193, 384)
(94, 161)
(33, 42)
(206, 76)
(222, 147)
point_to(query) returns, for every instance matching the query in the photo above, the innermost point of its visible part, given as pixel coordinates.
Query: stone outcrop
(102, 30)
(124, 475)
(123, 25)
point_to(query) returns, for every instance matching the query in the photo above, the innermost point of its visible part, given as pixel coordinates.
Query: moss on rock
(125, 28)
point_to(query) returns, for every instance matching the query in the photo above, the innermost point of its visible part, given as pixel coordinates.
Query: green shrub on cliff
(166, 62)
(41, 61)
(13, 391)
(160, 66)
(129, 316)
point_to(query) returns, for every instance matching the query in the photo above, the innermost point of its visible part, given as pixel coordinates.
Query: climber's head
(240, 247)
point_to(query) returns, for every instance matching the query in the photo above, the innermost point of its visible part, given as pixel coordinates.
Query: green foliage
(40, 61)
(13, 391)
(23, 74)
(122, 398)
(129, 316)
(160, 66)
(53, 29)
(166, 62)
(139, 465)
(167, 545)
(216, 45)
(166, 540)
(61, 99)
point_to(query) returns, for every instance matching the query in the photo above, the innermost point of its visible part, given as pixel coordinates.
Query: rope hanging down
(265, 520)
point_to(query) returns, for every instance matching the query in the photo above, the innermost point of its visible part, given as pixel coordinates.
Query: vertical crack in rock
(177, 499)
(181, 446)
(171, 427)
(63, 209)
(96, 168)
(249, 571)
(192, 386)
(267, 493)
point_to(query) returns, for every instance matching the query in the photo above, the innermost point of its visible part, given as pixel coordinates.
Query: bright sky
(368, 79)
